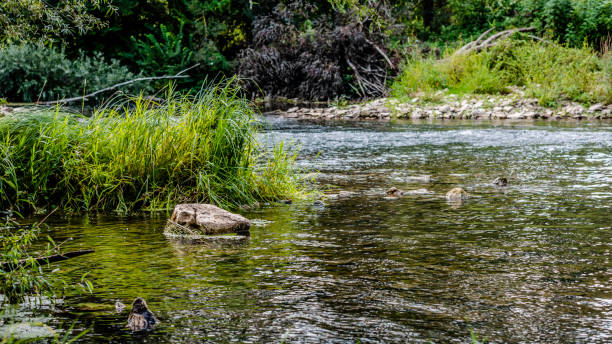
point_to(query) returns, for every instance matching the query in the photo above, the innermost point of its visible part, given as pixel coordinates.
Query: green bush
(165, 56)
(34, 72)
(144, 155)
(549, 72)
(566, 21)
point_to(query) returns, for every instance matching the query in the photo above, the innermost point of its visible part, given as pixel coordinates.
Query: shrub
(32, 72)
(549, 72)
(566, 21)
(143, 155)
(298, 52)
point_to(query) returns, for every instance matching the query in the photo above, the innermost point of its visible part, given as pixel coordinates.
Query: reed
(140, 154)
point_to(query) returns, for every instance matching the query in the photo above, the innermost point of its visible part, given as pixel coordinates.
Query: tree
(48, 21)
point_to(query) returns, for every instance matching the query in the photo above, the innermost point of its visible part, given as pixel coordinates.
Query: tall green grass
(549, 72)
(142, 155)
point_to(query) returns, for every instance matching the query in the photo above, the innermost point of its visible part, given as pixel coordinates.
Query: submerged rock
(205, 219)
(94, 307)
(141, 318)
(394, 192)
(456, 195)
(417, 192)
(26, 331)
(419, 179)
(500, 181)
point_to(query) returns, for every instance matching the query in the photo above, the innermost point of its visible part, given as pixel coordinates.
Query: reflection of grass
(475, 339)
(24, 276)
(145, 156)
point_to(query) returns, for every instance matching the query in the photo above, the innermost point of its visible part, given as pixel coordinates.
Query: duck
(141, 318)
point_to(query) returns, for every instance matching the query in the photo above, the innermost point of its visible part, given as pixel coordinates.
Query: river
(526, 263)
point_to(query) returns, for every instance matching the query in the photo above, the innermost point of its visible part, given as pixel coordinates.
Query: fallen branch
(81, 98)
(479, 44)
(381, 52)
(476, 42)
(10, 266)
(357, 77)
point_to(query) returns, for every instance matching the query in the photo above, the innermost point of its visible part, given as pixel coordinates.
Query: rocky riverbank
(449, 106)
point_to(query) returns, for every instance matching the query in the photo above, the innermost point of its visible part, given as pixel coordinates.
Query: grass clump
(547, 71)
(142, 155)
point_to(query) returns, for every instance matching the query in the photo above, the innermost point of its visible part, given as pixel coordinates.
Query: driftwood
(481, 43)
(10, 266)
(82, 98)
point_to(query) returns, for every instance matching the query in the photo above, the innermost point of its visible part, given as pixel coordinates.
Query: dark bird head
(139, 306)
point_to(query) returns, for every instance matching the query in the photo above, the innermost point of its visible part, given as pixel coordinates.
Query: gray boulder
(205, 219)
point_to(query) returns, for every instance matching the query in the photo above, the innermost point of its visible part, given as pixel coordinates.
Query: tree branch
(69, 100)
(10, 266)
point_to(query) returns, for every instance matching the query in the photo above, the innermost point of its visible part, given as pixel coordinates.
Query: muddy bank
(443, 106)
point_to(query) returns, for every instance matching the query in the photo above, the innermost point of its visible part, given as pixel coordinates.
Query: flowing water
(527, 263)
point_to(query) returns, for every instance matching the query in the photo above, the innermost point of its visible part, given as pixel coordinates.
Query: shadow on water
(525, 263)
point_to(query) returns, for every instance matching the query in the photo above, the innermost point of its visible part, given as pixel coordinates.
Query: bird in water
(141, 318)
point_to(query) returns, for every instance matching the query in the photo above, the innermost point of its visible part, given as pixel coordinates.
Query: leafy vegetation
(21, 275)
(39, 21)
(36, 72)
(549, 72)
(566, 21)
(276, 44)
(141, 155)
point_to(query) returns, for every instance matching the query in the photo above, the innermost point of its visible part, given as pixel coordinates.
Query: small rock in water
(500, 181)
(394, 192)
(417, 192)
(141, 318)
(345, 194)
(319, 203)
(456, 195)
(419, 179)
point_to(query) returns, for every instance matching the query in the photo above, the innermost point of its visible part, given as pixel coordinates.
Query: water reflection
(525, 263)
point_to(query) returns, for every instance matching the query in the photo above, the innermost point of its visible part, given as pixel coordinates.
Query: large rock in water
(205, 219)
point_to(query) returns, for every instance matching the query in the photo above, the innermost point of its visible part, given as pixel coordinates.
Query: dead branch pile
(336, 56)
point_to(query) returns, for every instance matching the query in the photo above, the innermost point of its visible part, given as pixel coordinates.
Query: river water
(527, 263)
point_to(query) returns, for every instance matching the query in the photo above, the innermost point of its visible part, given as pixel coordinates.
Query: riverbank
(443, 106)
(145, 156)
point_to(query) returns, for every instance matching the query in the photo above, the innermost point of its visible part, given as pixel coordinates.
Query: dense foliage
(36, 72)
(291, 48)
(549, 72)
(141, 156)
(566, 21)
(43, 21)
